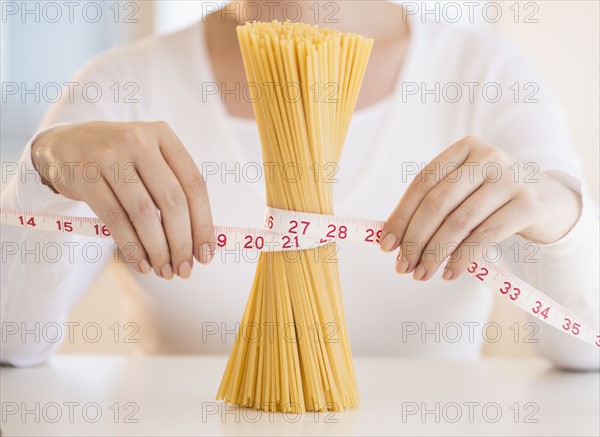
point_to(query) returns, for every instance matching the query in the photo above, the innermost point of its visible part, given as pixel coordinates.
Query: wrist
(39, 153)
(559, 212)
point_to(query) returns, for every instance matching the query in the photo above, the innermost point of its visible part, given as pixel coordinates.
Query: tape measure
(291, 230)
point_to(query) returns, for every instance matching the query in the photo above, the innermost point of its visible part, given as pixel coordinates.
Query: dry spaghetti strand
(292, 351)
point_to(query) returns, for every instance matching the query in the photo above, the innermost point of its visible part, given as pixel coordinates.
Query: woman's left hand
(469, 196)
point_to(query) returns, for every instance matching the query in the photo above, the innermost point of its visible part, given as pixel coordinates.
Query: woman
(189, 116)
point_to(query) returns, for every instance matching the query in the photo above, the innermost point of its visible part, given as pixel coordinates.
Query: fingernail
(419, 272)
(184, 270)
(144, 267)
(447, 274)
(206, 253)
(388, 242)
(402, 264)
(166, 271)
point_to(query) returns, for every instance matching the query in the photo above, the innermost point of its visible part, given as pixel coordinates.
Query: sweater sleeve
(44, 273)
(532, 127)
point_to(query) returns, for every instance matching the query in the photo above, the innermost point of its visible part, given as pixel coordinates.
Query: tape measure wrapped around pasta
(292, 351)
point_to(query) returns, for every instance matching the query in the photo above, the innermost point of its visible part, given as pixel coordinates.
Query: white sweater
(382, 307)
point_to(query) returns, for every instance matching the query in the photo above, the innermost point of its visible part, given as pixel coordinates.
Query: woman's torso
(386, 145)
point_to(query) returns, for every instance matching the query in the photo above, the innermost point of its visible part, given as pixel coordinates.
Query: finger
(397, 223)
(505, 222)
(168, 195)
(458, 225)
(143, 214)
(106, 206)
(436, 206)
(194, 186)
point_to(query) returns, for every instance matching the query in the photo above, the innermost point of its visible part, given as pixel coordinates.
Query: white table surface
(174, 395)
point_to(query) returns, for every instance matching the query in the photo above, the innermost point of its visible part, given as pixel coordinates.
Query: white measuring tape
(291, 230)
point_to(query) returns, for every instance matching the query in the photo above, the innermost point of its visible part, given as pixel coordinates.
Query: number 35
(571, 326)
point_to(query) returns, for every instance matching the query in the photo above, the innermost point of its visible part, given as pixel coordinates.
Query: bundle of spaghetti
(292, 351)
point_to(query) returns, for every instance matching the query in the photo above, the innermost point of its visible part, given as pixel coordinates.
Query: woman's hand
(126, 173)
(470, 195)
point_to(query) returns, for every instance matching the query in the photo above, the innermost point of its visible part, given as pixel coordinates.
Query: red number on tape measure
(571, 326)
(102, 230)
(64, 226)
(538, 306)
(287, 242)
(335, 232)
(372, 236)
(507, 289)
(483, 272)
(294, 226)
(29, 222)
(516, 294)
(252, 243)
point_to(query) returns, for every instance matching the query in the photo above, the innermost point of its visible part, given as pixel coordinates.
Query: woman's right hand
(127, 172)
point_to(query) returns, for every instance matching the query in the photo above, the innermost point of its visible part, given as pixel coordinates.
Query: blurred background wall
(561, 37)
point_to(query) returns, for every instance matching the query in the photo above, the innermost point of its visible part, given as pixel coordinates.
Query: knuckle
(464, 254)
(395, 222)
(465, 145)
(459, 263)
(113, 214)
(145, 210)
(105, 152)
(455, 256)
(448, 249)
(410, 248)
(526, 199)
(158, 255)
(435, 200)
(462, 147)
(175, 198)
(430, 254)
(423, 183)
(163, 126)
(204, 234)
(132, 134)
(197, 184)
(183, 250)
(483, 233)
(459, 220)
(492, 154)
(471, 140)
(131, 251)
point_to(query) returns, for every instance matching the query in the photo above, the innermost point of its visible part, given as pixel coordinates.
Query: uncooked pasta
(292, 351)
